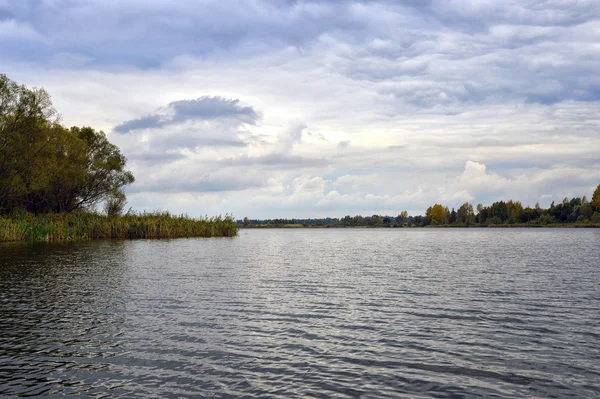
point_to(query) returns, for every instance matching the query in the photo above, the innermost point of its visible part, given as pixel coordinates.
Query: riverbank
(492, 226)
(88, 225)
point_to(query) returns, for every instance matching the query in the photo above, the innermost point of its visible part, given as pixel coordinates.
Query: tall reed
(90, 225)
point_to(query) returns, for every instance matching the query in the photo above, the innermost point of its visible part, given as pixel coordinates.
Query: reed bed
(88, 225)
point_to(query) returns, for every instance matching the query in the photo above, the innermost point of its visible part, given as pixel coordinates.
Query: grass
(89, 225)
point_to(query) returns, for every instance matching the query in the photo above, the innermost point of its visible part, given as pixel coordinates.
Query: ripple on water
(305, 313)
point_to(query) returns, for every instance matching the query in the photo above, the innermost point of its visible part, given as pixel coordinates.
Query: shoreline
(495, 226)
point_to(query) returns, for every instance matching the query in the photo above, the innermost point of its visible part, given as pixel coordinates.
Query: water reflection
(308, 313)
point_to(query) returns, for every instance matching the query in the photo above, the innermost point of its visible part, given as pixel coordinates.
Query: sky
(296, 109)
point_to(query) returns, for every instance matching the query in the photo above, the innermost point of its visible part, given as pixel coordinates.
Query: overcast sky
(289, 108)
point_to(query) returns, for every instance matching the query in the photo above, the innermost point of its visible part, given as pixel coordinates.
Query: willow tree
(27, 121)
(45, 167)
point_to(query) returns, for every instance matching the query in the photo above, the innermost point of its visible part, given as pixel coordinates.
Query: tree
(358, 221)
(45, 167)
(484, 213)
(420, 221)
(586, 210)
(526, 215)
(452, 218)
(465, 214)
(402, 218)
(375, 221)
(346, 221)
(104, 168)
(115, 203)
(499, 211)
(27, 121)
(596, 198)
(437, 215)
(513, 208)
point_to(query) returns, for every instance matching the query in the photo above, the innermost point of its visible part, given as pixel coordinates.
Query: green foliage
(494, 220)
(596, 198)
(437, 215)
(115, 203)
(375, 221)
(546, 219)
(499, 212)
(81, 225)
(465, 214)
(45, 167)
(528, 214)
(402, 218)
(452, 217)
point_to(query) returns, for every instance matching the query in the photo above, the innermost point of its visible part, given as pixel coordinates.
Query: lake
(344, 313)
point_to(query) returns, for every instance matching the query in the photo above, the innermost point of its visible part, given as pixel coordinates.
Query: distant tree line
(46, 167)
(573, 211)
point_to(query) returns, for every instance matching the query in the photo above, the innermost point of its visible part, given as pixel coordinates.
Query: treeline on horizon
(576, 211)
(53, 178)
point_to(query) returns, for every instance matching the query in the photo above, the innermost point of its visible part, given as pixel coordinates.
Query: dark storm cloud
(203, 108)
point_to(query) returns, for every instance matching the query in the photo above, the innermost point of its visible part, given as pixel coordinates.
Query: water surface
(306, 313)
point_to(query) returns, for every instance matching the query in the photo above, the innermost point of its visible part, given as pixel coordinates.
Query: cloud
(317, 136)
(357, 183)
(342, 145)
(193, 179)
(200, 109)
(290, 137)
(147, 33)
(184, 129)
(476, 182)
(274, 159)
(408, 103)
(70, 60)
(15, 30)
(146, 122)
(157, 157)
